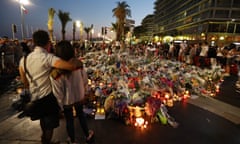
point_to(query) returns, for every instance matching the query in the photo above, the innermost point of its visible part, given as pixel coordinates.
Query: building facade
(148, 25)
(211, 20)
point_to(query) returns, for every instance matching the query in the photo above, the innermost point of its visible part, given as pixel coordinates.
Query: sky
(96, 12)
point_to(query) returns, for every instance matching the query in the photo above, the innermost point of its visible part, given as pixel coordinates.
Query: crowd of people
(11, 53)
(201, 54)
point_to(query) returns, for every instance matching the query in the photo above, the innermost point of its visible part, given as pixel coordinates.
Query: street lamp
(91, 32)
(74, 30)
(22, 9)
(80, 25)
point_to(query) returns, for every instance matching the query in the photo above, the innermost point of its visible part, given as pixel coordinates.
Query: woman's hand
(76, 62)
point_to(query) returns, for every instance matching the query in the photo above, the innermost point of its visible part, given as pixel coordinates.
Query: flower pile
(126, 83)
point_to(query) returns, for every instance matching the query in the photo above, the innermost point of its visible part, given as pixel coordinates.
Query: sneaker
(238, 90)
(57, 142)
(90, 138)
(69, 141)
(238, 84)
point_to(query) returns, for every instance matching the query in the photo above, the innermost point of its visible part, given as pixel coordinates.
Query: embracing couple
(57, 82)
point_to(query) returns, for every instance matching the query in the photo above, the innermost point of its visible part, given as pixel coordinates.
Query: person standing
(212, 55)
(181, 53)
(231, 60)
(203, 55)
(70, 87)
(192, 53)
(171, 51)
(34, 71)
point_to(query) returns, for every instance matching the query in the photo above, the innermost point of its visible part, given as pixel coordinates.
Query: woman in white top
(69, 87)
(221, 55)
(203, 54)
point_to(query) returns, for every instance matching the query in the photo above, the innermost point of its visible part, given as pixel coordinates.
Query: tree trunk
(51, 35)
(63, 34)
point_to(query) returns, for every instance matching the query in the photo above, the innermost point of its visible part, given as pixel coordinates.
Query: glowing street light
(22, 10)
(23, 2)
(91, 34)
(80, 25)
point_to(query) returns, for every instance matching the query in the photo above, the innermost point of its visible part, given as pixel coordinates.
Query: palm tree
(121, 12)
(64, 18)
(88, 30)
(114, 27)
(51, 13)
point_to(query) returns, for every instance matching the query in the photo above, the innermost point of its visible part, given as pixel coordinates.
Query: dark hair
(232, 46)
(76, 45)
(64, 50)
(26, 50)
(40, 38)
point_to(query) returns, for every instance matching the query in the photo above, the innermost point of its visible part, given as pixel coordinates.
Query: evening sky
(96, 12)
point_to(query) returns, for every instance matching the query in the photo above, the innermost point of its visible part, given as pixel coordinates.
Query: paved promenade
(230, 112)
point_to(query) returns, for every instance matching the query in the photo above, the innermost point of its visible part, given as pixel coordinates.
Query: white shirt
(219, 51)
(39, 63)
(204, 51)
(70, 88)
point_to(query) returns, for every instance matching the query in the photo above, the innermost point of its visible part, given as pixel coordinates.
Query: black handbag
(25, 97)
(29, 111)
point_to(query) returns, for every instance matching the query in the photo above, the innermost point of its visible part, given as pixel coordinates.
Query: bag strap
(27, 72)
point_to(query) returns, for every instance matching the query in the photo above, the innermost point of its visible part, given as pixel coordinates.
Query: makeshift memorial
(131, 83)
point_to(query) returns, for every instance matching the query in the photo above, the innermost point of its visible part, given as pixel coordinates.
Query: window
(235, 14)
(221, 13)
(223, 3)
(192, 11)
(230, 28)
(213, 27)
(236, 4)
(222, 27)
(237, 28)
(206, 14)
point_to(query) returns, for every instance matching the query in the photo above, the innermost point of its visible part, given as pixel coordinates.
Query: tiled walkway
(218, 107)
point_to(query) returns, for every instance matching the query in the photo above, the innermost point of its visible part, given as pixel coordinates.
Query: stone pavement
(25, 131)
(230, 112)
(225, 104)
(22, 131)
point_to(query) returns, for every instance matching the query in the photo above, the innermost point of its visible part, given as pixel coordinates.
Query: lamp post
(80, 25)
(74, 30)
(91, 34)
(22, 9)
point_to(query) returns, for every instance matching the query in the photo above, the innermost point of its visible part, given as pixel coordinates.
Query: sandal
(90, 138)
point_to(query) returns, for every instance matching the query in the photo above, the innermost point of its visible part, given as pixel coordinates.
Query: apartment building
(211, 20)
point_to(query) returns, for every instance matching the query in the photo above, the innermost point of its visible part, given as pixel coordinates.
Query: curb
(220, 108)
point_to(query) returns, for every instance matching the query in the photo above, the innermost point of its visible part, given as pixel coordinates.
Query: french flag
(25, 11)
